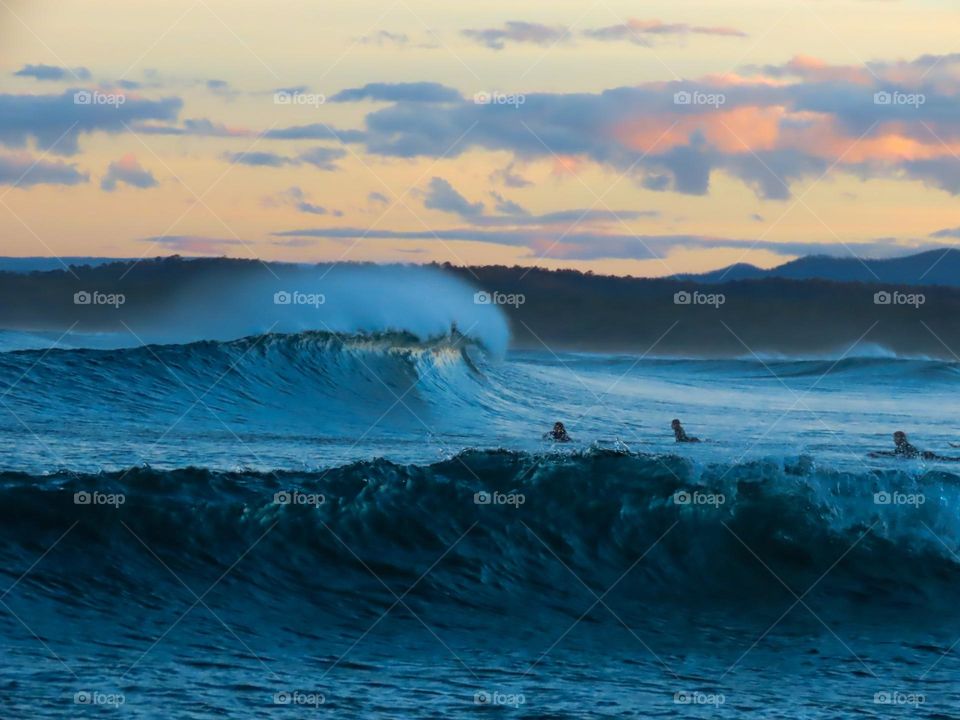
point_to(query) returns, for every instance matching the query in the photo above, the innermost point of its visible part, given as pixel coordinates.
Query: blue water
(372, 526)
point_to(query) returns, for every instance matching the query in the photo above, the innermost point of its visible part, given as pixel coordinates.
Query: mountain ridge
(930, 267)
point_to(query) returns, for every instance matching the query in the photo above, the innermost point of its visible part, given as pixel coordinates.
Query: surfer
(680, 434)
(903, 448)
(558, 434)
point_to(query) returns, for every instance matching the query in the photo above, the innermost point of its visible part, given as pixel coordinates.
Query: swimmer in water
(680, 434)
(904, 449)
(558, 434)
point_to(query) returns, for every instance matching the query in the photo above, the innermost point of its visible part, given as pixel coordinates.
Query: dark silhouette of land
(561, 310)
(933, 267)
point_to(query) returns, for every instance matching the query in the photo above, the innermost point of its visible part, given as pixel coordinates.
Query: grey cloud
(425, 92)
(319, 157)
(127, 171)
(24, 171)
(55, 122)
(517, 31)
(53, 73)
(596, 246)
(442, 196)
(641, 32)
(507, 207)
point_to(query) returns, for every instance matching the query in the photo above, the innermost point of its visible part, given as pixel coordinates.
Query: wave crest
(509, 524)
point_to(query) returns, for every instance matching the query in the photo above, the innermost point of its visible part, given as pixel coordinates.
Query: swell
(851, 369)
(316, 381)
(334, 540)
(328, 384)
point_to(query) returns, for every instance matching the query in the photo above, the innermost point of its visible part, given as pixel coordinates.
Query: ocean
(372, 525)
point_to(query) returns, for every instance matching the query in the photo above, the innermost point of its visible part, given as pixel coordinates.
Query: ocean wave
(855, 368)
(499, 526)
(316, 380)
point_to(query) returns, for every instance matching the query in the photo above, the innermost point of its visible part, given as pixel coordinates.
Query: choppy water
(371, 526)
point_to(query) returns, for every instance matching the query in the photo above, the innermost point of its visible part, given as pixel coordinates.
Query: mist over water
(347, 299)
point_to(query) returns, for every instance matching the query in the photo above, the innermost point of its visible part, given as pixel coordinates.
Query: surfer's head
(675, 423)
(899, 437)
(559, 429)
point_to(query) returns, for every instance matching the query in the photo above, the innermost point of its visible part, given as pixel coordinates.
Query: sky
(612, 136)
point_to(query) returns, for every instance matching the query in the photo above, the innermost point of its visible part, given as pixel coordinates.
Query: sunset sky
(620, 137)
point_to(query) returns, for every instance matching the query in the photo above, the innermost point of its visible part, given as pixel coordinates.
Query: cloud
(442, 196)
(319, 157)
(946, 233)
(675, 136)
(655, 182)
(292, 90)
(128, 171)
(610, 246)
(634, 30)
(376, 197)
(783, 125)
(196, 244)
(295, 197)
(385, 37)
(509, 178)
(642, 32)
(507, 207)
(258, 159)
(942, 173)
(565, 218)
(316, 131)
(221, 88)
(21, 170)
(55, 122)
(518, 31)
(200, 127)
(322, 157)
(427, 92)
(53, 73)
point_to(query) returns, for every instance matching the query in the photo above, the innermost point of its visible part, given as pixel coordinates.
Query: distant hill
(561, 309)
(43, 264)
(932, 267)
